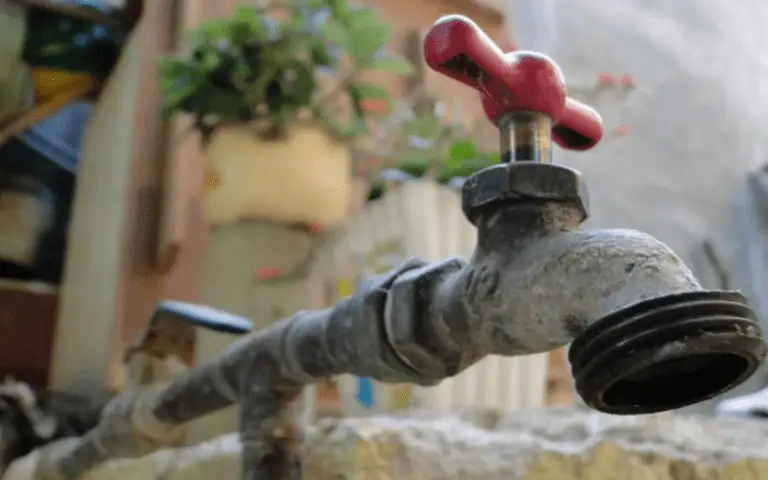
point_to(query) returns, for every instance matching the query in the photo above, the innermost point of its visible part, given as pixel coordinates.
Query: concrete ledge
(561, 443)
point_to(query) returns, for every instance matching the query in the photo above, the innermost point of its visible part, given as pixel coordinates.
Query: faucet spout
(551, 288)
(645, 337)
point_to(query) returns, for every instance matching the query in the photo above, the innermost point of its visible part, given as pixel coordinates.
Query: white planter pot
(302, 179)
(425, 219)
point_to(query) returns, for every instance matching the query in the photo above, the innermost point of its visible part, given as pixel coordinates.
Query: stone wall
(557, 443)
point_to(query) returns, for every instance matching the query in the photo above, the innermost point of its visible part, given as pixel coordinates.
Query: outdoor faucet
(645, 337)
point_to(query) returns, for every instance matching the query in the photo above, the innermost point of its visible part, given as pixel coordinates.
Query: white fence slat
(491, 368)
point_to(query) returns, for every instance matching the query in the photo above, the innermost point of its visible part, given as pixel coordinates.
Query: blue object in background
(58, 137)
(365, 392)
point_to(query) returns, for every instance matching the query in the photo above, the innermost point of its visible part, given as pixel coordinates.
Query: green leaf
(357, 101)
(460, 152)
(298, 83)
(211, 31)
(320, 55)
(363, 18)
(278, 53)
(369, 35)
(472, 165)
(415, 166)
(369, 91)
(209, 60)
(339, 9)
(359, 92)
(366, 44)
(240, 33)
(337, 34)
(178, 81)
(492, 159)
(246, 14)
(241, 71)
(226, 105)
(246, 26)
(424, 126)
(392, 64)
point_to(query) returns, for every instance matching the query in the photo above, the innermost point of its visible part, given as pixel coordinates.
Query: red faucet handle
(456, 47)
(515, 82)
(579, 126)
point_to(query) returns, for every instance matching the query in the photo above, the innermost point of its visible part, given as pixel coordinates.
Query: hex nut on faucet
(407, 318)
(524, 181)
(367, 340)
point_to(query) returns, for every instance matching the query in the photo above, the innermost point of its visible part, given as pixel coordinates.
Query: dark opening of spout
(667, 353)
(680, 380)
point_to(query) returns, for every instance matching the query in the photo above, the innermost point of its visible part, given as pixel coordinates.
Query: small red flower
(264, 273)
(605, 79)
(374, 105)
(627, 81)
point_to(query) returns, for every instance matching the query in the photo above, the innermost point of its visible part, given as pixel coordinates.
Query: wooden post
(90, 294)
(111, 284)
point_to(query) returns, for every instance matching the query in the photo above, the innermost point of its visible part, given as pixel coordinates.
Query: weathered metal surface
(378, 239)
(525, 181)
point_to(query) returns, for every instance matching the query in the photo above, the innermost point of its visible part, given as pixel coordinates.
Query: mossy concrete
(529, 445)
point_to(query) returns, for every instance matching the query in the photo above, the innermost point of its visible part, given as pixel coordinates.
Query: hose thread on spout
(667, 353)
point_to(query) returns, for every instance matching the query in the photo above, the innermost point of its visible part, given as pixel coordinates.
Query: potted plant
(278, 97)
(278, 93)
(420, 144)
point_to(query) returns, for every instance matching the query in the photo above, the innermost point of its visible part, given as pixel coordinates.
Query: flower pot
(304, 177)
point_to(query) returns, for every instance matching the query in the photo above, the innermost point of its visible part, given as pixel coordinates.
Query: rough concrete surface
(559, 443)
